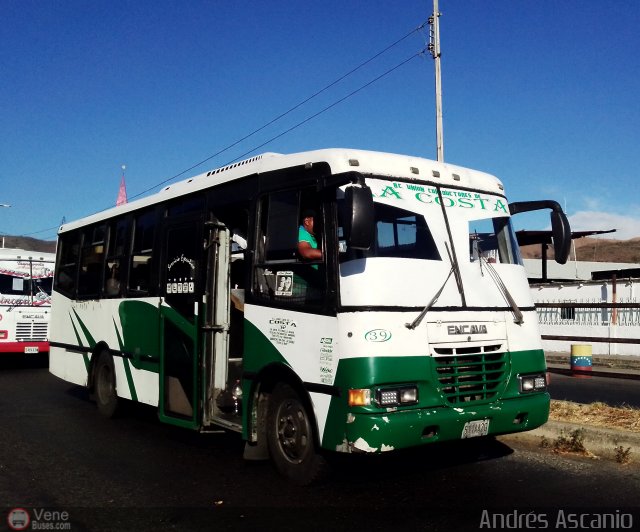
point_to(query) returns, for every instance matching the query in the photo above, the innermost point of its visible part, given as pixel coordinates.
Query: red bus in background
(25, 300)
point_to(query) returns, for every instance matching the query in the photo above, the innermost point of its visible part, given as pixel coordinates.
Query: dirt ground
(596, 414)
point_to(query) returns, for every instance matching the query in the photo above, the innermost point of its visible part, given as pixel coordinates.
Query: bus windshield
(494, 240)
(23, 282)
(399, 233)
(415, 245)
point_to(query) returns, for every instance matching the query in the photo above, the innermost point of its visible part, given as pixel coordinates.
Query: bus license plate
(33, 349)
(473, 429)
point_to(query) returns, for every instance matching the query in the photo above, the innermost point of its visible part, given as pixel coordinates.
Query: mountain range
(586, 249)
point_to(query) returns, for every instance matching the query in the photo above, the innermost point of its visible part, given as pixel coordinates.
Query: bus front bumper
(380, 432)
(24, 347)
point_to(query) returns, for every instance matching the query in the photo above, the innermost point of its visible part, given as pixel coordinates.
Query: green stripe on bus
(132, 388)
(127, 366)
(85, 356)
(85, 330)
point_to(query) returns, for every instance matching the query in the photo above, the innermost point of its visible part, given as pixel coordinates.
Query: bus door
(181, 292)
(220, 373)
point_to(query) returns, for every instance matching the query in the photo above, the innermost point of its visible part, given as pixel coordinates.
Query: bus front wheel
(291, 438)
(105, 386)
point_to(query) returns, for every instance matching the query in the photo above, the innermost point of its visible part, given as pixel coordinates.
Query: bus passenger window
(116, 253)
(141, 255)
(140, 273)
(68, 257)
(91, 257)
(112, 281)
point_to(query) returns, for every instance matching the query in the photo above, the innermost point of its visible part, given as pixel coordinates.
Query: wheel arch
(263, 385)
(99, 348)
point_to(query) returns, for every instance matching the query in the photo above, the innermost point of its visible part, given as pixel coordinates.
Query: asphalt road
(612, 391)
(134, 473)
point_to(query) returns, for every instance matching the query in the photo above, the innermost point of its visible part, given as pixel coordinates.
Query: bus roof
(340, 160)
(25, 254)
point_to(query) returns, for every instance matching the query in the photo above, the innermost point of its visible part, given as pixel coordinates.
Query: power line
(41, 231)
(282, 115)
(290, 110)
(329, 106)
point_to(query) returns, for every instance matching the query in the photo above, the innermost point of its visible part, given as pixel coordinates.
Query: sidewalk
(601, 442)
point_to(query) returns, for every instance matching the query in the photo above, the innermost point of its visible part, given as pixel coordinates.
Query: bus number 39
(377, 335)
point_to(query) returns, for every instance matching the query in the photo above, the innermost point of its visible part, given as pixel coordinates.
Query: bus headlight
(405, 395)
(532, 383)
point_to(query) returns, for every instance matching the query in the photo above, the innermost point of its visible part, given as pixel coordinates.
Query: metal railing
(590, 313)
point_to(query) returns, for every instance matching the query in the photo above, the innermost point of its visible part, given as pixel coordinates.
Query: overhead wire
(337, 102)
(41, 231)
(289, 111)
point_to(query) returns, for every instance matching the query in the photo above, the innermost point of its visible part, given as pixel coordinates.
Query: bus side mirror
(561, 236)
(560, 229)
(359, 224)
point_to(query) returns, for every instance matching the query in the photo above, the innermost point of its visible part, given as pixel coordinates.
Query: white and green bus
(415, 325)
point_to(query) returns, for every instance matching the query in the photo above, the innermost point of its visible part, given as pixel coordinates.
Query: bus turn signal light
(360, 397)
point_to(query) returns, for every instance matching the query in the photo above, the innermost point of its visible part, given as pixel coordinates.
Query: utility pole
(4, 205)
(434, 48)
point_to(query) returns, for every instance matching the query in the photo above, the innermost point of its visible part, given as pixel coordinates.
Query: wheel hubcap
(293, 430)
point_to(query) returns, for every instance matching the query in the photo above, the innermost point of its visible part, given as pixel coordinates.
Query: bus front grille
(27, 331)
(466, 378)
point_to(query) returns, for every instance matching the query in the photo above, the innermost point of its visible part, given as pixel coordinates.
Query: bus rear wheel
(105, 386)
(291, 438)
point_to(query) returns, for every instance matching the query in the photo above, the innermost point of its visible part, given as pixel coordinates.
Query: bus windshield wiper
(519, 318)
(452, 252)
(421, 316)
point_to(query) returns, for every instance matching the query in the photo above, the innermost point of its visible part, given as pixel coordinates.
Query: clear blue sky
(544, 94)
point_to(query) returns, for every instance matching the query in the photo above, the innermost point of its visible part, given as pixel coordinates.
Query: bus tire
(291, 438)
(104, 386)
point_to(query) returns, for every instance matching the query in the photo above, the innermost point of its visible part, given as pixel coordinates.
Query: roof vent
(435, 173)
(354, 162)
(414, 170)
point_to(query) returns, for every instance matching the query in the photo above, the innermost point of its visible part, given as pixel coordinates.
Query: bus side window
(141, 254)
(91, 258)
(68, 259)
(282, 226)
(116, 258)
(280, 273)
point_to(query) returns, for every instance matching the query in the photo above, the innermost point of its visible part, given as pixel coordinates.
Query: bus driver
(307, 243)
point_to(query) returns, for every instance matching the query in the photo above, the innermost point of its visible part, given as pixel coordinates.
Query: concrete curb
(600, 441)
